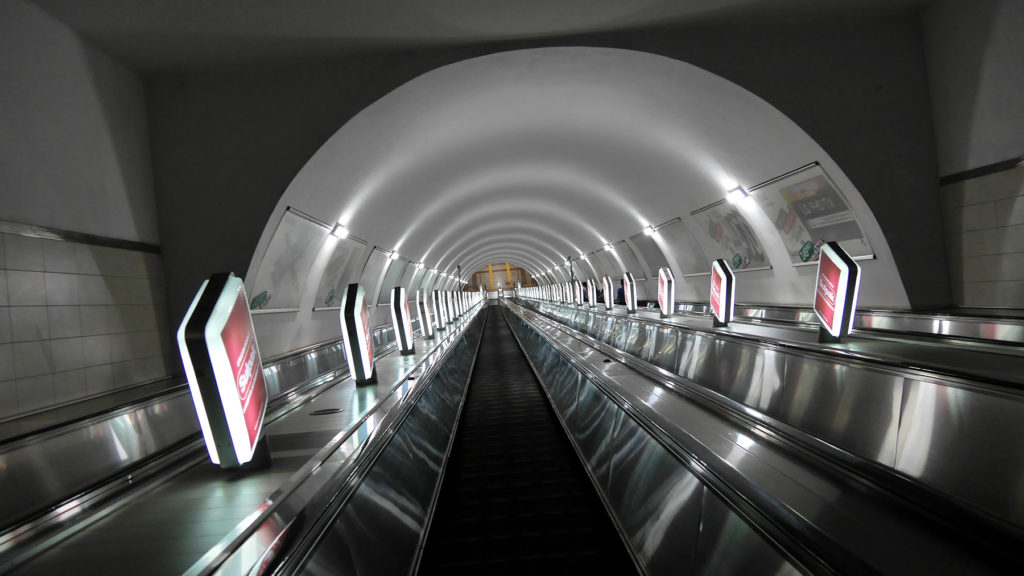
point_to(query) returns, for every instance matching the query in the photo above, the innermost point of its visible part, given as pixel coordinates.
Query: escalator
(515, 497)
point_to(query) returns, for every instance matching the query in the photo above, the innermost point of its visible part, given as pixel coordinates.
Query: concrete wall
(74, 146)
(976, 69)
(226, 145)
(76, 319)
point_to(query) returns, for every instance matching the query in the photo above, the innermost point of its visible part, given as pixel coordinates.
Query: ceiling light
(649, 230)
(608, 247)
(736, 195)
(419, 266)
(339, 231)
(393, 255)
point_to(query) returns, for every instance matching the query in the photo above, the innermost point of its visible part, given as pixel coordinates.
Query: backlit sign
(836, 290)
(592, 292)
(629, 292)
(723, 292)
(358, 336)
(666, 292)
(440, 312)
(577, 292)
(225, 374)
(401, 321)
(609, 292)
(423, 312)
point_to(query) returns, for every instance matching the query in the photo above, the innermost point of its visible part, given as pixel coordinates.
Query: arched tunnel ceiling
(535, 155)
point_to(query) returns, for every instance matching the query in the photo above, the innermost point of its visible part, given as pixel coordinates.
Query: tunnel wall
(77, 319)
(975, 64)
(231, 142)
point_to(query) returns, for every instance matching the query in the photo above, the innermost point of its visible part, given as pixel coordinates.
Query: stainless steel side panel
(727, 545)
(966, 444)
(657, 501)
(955, 436)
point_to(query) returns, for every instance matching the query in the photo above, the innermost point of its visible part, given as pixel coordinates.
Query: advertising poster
(732, 237)
(240, 344)
(717, 301)
(826, 294)
(723, 291)
(807, 210)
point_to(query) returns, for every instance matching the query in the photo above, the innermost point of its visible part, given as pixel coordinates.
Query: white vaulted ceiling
(533, 156)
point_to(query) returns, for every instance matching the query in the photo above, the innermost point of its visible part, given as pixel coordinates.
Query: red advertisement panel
(662, 291)
(240, 345)
(717, 298)
(368, 338)
(826, 292)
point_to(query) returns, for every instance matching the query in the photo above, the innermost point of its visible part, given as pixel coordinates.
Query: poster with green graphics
(807, 209)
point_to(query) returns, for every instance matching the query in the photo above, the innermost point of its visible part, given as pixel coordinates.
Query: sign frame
(724, 306)
(230, 406)
(358, 335)
(401, 321)
(836, 290)
(666, 292)
(629, 292)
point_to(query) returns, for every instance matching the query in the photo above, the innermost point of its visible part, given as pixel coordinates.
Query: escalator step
(516, 498)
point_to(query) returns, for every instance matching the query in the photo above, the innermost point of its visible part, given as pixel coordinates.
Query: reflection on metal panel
(936, 432)
(727, 545)
(657, 503)
(965, 444)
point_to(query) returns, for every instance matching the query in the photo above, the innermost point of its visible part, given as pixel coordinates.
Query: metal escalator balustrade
(819, 517)
(61, 475)
(910, 425)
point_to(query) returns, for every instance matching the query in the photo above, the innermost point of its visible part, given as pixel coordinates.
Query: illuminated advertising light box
(577, 292)
(666, 292)
(401, 321)
(567, 292)
(629, 291)
(440, 315)
(358, 335)
(225, 374)
(592, 292)
(449, 307)
(723, 293)
(836, 291)
(423, 310)
(609, 292)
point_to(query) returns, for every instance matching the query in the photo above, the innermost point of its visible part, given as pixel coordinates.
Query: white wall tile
(96, 350)
(1002, 240)
(121, 347)
(32, 359)
(60, 256)
(26, 288)
(994, 268)
(69, 385)
(153, 266)
(6, 362)
(98, 379)
(35, 393)
(67, 354)
(5, 325)
(65, 321)
(95, 320)
(93, 290)
(123, 373)
(4, 300)
(86, 259)
(61, 289)
(29, 323)
(8, 399)
(23, 253)
(988, 188)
